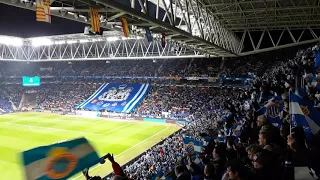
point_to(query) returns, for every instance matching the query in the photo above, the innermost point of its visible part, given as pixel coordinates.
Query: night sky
(21, 22)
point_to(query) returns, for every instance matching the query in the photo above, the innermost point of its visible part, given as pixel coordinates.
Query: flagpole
(290, 110)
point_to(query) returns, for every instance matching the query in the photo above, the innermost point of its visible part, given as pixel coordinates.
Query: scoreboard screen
(30, 81)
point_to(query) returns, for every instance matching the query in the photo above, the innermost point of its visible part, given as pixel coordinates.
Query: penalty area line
(94, 169)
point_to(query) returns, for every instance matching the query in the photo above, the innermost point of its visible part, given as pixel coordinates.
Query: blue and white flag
(59, 161)
(272, 110)
(317, 61)
(158, 176)
(192, 146)
(304, 114)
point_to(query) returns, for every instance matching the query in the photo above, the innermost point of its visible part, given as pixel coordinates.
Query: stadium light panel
(71, 41)
(13, 41)
(112, 39)
(83, 40)
(36, 42)
(59, 42)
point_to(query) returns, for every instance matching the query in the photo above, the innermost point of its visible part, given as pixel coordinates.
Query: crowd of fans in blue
(238, 141)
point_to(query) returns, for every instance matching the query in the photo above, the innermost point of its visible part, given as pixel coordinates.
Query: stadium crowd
(259, 150)
(243, 144)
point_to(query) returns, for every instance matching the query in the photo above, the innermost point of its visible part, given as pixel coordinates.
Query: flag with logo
(192, 146)
(272, 110)
(317, 60)
(158, 176)
(125, 27)
(304, 114)
(95, 20)
(59, 161)
(43, 11)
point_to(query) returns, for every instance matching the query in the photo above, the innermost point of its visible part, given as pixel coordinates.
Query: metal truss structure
(70, 48)
(219, 28)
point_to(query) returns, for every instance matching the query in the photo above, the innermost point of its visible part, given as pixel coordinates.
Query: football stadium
(160, 90)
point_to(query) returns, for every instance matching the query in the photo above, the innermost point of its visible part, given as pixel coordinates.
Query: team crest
(94, 101)
(273, 110)
(306, 128)
(190, 148)
(61, 163)
(305, 110)
(100, 103)
(124, 103)
(236, 132)
(106, 105)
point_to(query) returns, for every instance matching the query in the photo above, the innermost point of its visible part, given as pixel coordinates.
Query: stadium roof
(223, 28)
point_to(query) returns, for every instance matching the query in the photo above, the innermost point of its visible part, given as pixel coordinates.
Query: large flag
(43, 11)
(95, 20)
(59, 161)
(192, 146)
(272, 110)
(317, 60)
(125, 27)
(304, 114)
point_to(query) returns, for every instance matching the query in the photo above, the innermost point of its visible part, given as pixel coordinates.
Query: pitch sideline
(99, 165)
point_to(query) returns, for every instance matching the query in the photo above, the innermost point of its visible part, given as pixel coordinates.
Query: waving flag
(192, 146)
(95, 20)
(59, 161)
(304, 114)
(43, 11)
(272, 110)
(317, 61)
(125, 27)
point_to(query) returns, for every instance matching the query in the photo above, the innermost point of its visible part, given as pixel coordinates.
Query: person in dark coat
(181, 173)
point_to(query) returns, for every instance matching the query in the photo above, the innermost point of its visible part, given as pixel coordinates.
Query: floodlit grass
(125, 139)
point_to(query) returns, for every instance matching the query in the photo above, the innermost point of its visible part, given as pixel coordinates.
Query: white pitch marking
(116, 128)
(99, 165)
(51, 128)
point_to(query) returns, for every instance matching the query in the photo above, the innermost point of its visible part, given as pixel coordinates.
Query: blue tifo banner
(59, 161)
(116, 97)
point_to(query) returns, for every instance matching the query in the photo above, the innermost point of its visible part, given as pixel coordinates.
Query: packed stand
(243, 143)
(63, 96)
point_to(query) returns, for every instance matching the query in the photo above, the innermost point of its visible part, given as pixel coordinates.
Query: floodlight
(59, 42)
(13, 41)
(112, 39)
(83, 40)
(36, 42)
(71, 41)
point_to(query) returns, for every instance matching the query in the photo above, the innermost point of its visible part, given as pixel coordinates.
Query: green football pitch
(125, 139)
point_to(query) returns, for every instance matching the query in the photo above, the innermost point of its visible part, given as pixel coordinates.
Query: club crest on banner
(305, 110)
(94, 101)
(61, 163)
(273, 110)
(190, 148)
(236, 132)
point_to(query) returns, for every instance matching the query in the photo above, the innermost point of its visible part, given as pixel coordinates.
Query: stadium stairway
(29, 99)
